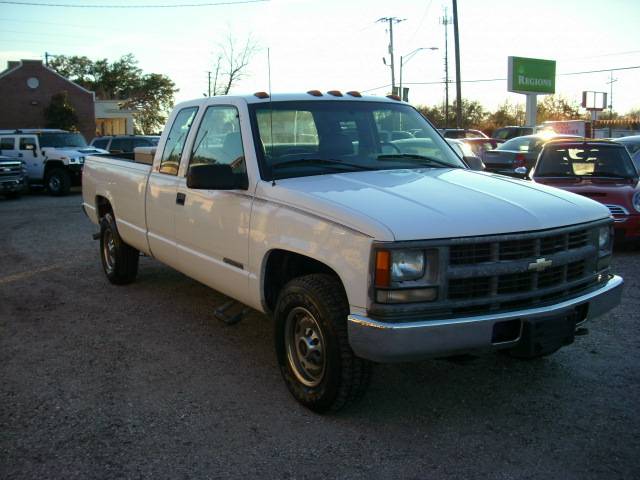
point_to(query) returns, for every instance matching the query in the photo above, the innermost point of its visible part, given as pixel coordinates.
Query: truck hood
(72, 151)
(434, 203)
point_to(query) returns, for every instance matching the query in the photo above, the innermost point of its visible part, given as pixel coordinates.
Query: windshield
(585, 161)
(61, 140)
(521, 144)
(318, 137)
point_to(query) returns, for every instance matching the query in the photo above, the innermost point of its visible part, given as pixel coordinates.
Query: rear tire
(119, 260)
(315, 358)
(58, 182)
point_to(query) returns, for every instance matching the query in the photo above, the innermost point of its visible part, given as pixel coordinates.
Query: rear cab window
(170, 160)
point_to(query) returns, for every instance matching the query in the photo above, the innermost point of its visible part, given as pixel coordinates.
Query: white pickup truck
(361, 248)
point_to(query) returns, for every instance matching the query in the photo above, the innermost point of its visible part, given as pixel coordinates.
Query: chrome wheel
(305, 347)
(54, 183)
(109, 250)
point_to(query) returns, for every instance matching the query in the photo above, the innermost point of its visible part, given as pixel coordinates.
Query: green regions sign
(531, 75)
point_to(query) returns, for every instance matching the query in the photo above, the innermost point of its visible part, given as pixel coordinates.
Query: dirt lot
(99, 381)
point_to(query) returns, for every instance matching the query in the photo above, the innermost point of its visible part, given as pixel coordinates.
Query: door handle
(20, 155)
(180, 198)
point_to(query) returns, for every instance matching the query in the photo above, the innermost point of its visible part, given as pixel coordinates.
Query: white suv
(53, 158)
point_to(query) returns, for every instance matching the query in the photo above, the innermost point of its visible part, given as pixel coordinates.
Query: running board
(230, 319)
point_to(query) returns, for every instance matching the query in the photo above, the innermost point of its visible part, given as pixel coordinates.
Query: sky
(333, 44)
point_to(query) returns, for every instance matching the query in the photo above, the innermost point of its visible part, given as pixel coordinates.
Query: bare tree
(232, 62)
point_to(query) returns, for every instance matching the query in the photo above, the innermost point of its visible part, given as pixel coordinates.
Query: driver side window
(219, 141)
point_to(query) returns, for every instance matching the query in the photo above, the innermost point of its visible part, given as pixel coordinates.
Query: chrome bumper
(394, 342)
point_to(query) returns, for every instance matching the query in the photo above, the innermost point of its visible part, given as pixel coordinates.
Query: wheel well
(283, 266)
(51, 164)
(103, 206)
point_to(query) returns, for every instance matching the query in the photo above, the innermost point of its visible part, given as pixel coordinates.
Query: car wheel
(119, 260)
(58, 182)
(315, 358)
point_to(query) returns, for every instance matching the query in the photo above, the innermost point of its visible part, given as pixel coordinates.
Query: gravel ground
(99, 381)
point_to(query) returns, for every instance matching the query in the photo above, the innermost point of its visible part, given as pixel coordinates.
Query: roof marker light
(353, 93)
(394, 97)
(261, 94)
(315, 93)
(335, 93)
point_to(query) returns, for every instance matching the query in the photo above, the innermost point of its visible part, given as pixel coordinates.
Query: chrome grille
(619, 211)
(10, 170)
(512, 271)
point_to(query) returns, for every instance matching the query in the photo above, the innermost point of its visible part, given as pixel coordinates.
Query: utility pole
(610, 83)
(391, 21)
(209, 83)
(456, 37)
(46, 58)
(446, 21)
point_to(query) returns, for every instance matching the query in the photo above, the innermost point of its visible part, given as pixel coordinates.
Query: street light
(405, 58)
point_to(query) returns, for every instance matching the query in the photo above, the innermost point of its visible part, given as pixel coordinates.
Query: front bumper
(13, 185)
(394, 342)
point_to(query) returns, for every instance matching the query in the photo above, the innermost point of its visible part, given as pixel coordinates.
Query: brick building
(26, 88)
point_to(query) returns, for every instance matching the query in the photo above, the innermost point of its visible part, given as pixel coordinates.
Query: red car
(600, 170)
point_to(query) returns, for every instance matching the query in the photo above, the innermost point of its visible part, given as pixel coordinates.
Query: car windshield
(304, 138)
(521, 144)
(585, 161)
(62, 139)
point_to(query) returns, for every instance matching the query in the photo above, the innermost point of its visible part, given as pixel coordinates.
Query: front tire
(119, 260)
(315, 358)
(58, 182)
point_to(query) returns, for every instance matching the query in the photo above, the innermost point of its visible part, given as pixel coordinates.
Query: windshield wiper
(609, 174)
(412, 157)
(558, 174)
(321, 162)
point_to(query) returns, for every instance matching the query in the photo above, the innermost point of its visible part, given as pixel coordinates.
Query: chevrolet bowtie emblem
(540, 265)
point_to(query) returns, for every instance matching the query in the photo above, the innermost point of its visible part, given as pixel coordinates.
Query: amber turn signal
(383, 268)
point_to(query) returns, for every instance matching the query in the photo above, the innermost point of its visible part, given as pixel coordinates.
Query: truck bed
(116, 176)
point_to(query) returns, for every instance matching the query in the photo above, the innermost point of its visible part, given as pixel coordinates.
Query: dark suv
(505, 133)
(124, 143)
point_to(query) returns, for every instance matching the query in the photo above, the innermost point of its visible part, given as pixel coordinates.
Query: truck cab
(53, 158)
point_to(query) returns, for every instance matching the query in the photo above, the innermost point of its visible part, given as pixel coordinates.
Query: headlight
(406, 265)
(636, 201)
(406, 275)
(604, 238)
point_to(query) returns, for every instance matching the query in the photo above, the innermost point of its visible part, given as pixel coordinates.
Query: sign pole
(532, 110)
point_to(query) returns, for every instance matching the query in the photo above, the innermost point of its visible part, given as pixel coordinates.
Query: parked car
(53, 158)
(517, 156)
(13, 177)
(600, 170)
(462, 133)
(466, 153)
(633, 146)
(124, 143)
(359, 252)
(506, 133)
(480, 145)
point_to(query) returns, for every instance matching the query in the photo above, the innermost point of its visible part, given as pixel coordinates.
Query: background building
(112, 119)
(26, 88)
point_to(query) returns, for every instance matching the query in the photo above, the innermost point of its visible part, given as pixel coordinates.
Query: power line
(184, 5)
(504, 79)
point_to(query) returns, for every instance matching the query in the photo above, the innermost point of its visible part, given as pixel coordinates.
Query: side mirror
(474, 163)
(215, 177)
